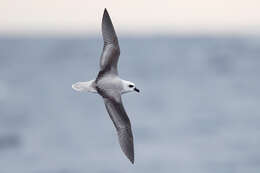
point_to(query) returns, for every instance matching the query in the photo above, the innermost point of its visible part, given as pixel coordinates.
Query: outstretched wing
(122, 123)
(111, 50)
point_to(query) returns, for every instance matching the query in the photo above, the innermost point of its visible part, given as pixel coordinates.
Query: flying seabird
(110, 87)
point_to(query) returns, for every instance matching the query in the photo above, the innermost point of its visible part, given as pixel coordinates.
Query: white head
(129, 87)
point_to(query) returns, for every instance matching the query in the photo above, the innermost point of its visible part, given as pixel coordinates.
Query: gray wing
(111, 50)
(122, 123)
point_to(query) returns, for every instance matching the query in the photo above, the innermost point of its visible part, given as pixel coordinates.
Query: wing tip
(108, 31)
(106, 17)
(132, 161)
(105, 12)
(131, 157)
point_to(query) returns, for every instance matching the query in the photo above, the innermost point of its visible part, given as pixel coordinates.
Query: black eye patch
(131, 86)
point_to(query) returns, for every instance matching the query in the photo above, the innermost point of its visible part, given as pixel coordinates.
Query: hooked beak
(137, 90)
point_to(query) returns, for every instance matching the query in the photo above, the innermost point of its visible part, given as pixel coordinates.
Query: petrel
(110, 86)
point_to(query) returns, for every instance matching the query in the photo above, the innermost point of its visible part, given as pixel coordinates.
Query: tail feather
(84, 86)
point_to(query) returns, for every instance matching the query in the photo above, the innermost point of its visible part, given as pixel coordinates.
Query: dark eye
(131, 86)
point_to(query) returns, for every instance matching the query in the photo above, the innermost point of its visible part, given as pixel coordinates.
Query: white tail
(84, 86)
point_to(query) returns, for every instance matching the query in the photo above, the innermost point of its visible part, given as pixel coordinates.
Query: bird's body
(109, 82)
(110, 86)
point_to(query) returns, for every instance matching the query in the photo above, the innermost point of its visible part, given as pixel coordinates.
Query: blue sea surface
(198, 109)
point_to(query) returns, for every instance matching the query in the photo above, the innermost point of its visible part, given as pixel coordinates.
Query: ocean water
(198, 109)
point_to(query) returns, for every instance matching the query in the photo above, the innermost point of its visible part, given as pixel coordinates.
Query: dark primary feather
(121, 121)
(111, 50)
(108, 31)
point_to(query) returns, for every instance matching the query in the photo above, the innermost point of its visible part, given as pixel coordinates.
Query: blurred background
(195, 62)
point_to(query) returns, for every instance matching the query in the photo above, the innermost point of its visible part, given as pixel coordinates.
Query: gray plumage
(110, 87)
(106, 88)
(120, 120)
(111, 50)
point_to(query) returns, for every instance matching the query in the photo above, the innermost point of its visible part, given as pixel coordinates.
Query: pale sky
(130, 17)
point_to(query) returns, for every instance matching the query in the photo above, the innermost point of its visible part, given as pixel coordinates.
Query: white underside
(88, 86)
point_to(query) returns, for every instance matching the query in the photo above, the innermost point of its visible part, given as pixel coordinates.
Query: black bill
(137, 90)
